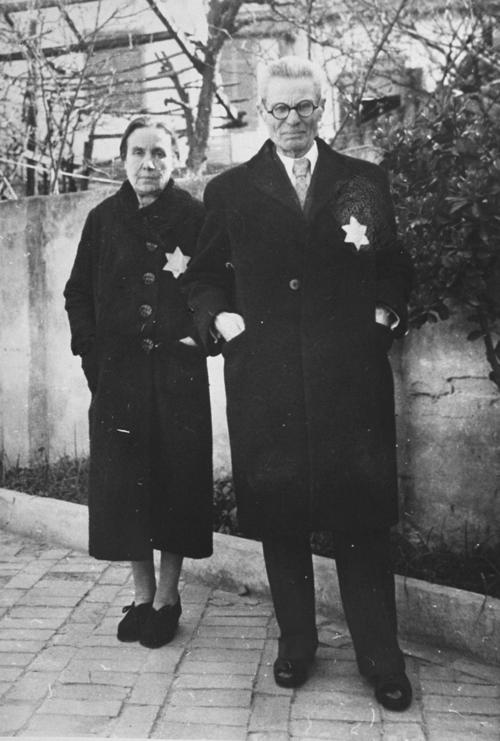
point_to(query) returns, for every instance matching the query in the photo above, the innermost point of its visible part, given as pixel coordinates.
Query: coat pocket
(90, 368)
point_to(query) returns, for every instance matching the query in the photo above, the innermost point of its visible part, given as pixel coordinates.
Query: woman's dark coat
(309, 385)
(150, 430)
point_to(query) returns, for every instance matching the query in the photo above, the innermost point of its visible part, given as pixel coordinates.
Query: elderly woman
(150, 431)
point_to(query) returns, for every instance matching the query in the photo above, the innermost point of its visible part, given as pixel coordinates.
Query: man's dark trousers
(367, 589)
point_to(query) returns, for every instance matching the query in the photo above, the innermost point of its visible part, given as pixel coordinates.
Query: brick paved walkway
(63, 673)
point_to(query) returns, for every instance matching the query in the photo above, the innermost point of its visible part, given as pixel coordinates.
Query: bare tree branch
(177, 37)
(183, 96)
(380, 46)
(115, 42)
(69, 21)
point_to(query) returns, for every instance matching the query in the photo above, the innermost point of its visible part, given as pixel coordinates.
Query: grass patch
(65, 479)
(476, 568)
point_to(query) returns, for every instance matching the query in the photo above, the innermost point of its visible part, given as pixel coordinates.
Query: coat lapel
(329, 175)
(269, 176)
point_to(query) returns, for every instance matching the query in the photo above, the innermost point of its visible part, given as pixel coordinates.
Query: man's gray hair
(290, 67)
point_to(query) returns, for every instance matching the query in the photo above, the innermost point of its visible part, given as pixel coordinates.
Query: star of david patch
(177, 262)
(355, 233)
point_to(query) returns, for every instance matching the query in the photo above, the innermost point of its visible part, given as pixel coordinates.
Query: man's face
(293, 135)
(149, 160)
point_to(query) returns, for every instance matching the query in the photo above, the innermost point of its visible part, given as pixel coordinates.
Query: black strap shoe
(160, 625)
(290, 672)
(129, 627)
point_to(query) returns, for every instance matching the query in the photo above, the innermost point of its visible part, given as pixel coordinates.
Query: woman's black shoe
(393, 691)
(160, 625)
(129, 628)
(290, 672)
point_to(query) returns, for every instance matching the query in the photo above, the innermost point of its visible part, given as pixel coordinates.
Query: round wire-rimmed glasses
(304, 108)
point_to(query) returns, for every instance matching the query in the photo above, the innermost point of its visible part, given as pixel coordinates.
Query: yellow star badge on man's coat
(177, 262)
(355, 233)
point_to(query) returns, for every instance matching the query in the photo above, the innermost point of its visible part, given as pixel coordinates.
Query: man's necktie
(300, 170)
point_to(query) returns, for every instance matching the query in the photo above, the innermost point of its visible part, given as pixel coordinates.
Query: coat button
(147, 344)
(148, 278)
(294, 284)
(151, 246)
(145, 311)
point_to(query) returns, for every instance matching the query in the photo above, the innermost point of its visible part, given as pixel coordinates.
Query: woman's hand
(188, 341)
(229, 325)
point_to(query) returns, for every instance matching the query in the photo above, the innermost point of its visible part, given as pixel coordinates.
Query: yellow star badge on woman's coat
(355, 233)
(177, 262)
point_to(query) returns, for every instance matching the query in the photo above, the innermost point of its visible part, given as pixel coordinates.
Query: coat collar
(164, 213)
(269, 175)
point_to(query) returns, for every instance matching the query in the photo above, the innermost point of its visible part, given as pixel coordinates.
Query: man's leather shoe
(393, 691)
(290, 672)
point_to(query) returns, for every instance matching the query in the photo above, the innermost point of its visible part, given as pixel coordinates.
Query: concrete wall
(448, 436)
(43, 394)
(448, 410)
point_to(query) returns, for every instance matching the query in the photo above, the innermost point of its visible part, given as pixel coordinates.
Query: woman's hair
(144, 122)
(290, 67)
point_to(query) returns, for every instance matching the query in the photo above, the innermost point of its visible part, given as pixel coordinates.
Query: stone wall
(448, 410)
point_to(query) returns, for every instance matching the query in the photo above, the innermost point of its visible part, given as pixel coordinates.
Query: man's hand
(385, 316)
(229, 325)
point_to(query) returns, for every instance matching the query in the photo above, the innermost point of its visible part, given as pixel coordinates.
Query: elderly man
(299, 276)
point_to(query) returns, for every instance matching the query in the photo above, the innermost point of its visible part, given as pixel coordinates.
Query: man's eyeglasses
(304, 108)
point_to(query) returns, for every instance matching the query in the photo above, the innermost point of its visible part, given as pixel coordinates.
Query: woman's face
(149, 161)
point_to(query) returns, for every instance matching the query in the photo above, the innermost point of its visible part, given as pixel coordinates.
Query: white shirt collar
(311, 155)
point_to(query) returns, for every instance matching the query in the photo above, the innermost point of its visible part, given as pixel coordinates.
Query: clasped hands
(229, 325)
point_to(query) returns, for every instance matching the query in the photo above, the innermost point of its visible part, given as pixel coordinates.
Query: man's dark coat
(309, 386)
(150, 430)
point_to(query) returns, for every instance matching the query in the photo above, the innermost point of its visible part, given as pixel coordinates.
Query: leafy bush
(225, 514)
(445, 169)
